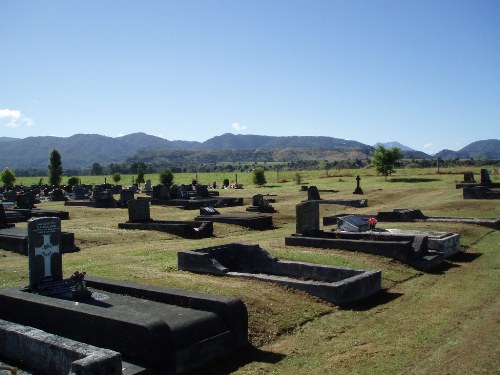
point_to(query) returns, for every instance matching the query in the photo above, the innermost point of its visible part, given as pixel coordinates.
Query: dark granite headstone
(485, 177)
(182, 193)
(125, 196)
(3, 218)
(469, 177)
(209, 211)
(307, 220)
(25, 201)
(79, 192)
(104, 199)
(313, 193)
(202, 191)
(45, 258)
(258, 200)
(138, 210)
(160, 192)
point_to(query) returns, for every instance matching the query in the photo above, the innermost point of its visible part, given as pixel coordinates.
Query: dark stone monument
(138, 211)
(3, 218)
(307, 218)
(485, 177)
(202, 191)
(104, 199)
(45, 258)
(209, 211)
(313, 193)
(125, 197)
(259, 204)
(469, 177)
(358, 189)
(57, 195)
(79, 193)
(25, 201)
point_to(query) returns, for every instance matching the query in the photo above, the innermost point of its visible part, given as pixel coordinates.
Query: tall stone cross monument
(45, 259)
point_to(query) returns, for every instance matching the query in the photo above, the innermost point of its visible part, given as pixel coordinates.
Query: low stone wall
(42, 352)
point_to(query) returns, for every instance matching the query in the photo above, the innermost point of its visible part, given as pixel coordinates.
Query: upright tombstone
(138, 211)
(485, 177)
(160, 192)
(358, 189)
(202, 191)
(3, 218)
(307, 217)
(258, 200)
(182, 192)
(79, 193)
(148, 186)
(313, 193)
(126, 196)
(45, 258)
(469, 177)
(25, 201)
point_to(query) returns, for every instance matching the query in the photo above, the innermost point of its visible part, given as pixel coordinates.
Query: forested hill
(80, 151)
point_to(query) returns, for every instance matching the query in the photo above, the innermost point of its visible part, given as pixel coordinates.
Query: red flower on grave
(372, 221)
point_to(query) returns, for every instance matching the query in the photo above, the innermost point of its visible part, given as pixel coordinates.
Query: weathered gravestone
(202, 191)
(485, 177)
(79, 193)
(307, 217)
(313, 193)
(3, 218)
(358, 189)
(148, 187)
(160, 192)
(25, 201)
(138, 211)
(125, 197)
(469, 177)
(104, 199)
(45, 258)
(182, 192)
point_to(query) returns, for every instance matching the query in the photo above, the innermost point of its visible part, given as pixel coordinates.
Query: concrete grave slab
(164, 330)
(139, 218)
(339, 285)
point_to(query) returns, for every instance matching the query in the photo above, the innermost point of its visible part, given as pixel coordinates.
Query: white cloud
(238, 126)
(12, 118)
(428, 145)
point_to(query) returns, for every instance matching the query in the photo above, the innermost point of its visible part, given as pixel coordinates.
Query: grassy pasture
(443, 322)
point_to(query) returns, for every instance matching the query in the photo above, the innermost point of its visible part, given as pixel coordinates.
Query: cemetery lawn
(442, 322)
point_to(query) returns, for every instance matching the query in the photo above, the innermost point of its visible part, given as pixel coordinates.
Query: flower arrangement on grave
(373, 222)
(81, 291)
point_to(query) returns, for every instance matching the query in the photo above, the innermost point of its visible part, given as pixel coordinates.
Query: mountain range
(82, 150)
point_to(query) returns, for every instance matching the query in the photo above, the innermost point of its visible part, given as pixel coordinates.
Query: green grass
(437, 322)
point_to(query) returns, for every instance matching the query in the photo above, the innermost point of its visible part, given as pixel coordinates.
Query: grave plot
(180, 196)
(313, 195)
(339, 285)
(26, 209)
(252, 221)
(259, 204)
(470, 182)
(139, 218)
(412, 249)
(101, 198)
(16, 239)
(162, 330)
(415, 215)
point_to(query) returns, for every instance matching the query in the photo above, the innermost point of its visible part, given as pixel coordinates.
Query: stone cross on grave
(46, 250)
(45, 258)
(358, 189)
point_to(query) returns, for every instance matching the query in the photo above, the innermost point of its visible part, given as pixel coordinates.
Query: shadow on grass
(234, 361)
(462, 257)
(413, 180)
(381, 298)
(442, 268)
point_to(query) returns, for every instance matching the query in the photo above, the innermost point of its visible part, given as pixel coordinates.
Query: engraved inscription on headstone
(138, 210)
(45, 259)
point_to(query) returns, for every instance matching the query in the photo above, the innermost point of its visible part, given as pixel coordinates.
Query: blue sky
(424, 73)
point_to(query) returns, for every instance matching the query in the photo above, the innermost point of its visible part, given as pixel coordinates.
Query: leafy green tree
(55, 168)
(8, 177)
(97, 170)
(384, 159)
(259, 178)
(166, 177)
(297, 178)
(116, 177)
(140, 175)
(72, 181)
